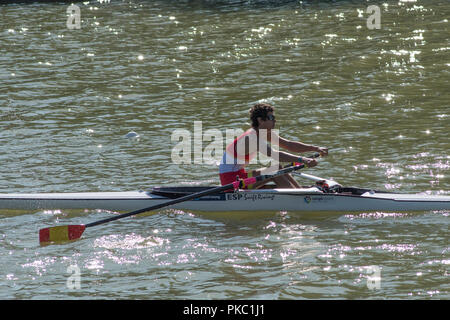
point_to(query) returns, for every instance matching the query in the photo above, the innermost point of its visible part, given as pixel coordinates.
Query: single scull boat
(325, 195)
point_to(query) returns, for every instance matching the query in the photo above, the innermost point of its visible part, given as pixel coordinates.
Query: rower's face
(269, 123)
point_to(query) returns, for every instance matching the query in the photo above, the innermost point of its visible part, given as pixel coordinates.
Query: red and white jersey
(244, 148)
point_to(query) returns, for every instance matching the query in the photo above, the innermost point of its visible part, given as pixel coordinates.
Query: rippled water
(379, 99)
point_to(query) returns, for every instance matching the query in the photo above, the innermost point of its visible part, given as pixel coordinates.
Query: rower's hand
(309, 162)
(322, 151)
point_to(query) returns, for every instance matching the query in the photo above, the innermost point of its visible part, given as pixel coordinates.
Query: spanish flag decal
(61, 233)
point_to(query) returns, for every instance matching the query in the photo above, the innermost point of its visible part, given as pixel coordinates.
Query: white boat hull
(308, 199)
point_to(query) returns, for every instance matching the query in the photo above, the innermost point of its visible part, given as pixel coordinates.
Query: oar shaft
(309, 176)
(234, 185)
(162, 205)
(72, 232)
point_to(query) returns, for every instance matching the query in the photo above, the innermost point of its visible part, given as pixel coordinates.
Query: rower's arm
(280, 156)
(297, 147)
(285, 156)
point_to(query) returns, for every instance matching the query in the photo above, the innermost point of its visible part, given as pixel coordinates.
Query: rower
(259, 138)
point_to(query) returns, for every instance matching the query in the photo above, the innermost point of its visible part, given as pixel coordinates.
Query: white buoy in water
(131, 135)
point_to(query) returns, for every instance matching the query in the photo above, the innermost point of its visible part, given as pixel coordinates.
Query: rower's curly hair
(259, 110)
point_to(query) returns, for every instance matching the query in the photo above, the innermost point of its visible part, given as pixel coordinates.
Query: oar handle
(315, 155)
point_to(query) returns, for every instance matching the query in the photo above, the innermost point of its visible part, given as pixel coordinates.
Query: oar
(73, 232)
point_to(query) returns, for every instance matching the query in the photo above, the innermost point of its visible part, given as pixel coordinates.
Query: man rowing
(259, 138)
